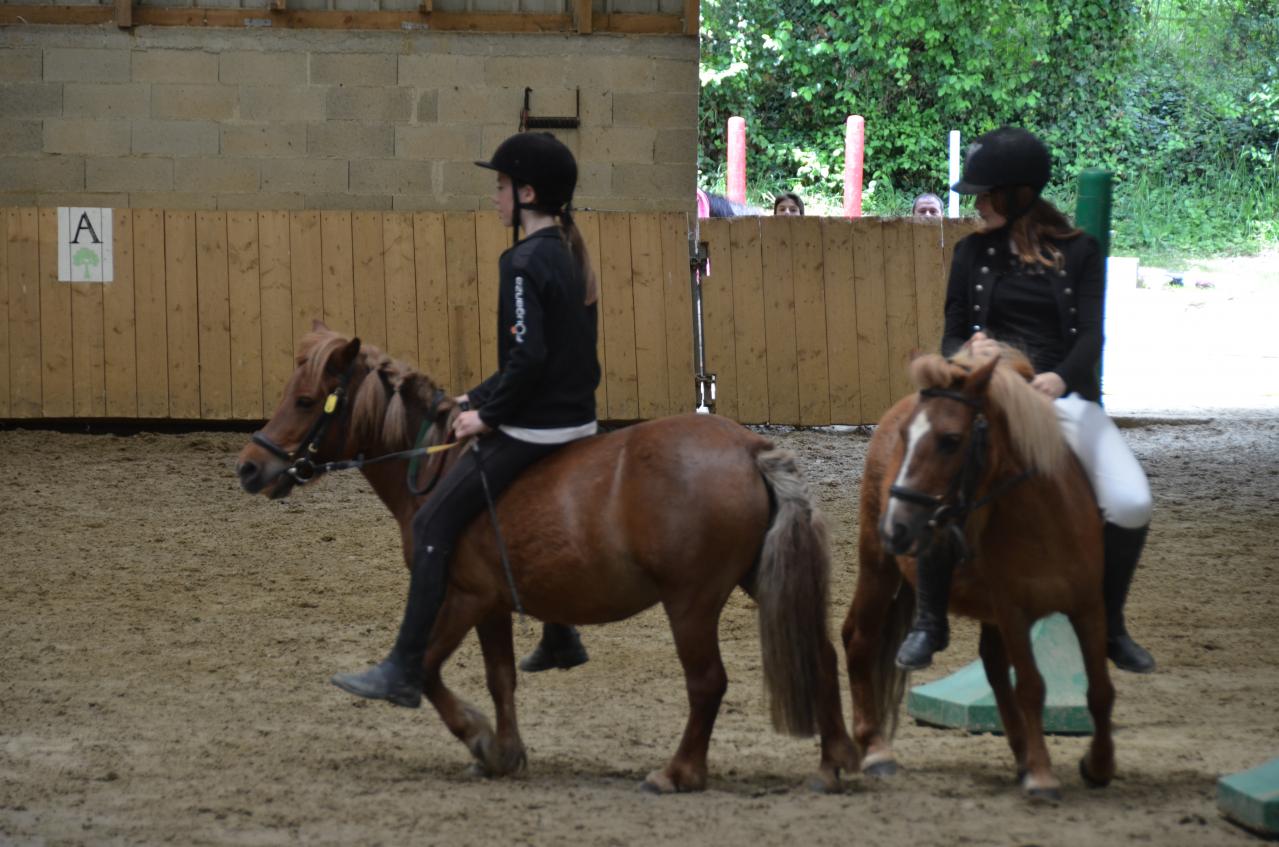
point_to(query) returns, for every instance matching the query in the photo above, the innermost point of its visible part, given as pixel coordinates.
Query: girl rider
(541, 398)
(1033, 280)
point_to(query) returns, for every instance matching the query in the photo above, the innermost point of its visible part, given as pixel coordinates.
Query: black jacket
(548, 369)
(981, 260)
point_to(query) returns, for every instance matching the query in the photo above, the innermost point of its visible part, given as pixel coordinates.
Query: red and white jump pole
(854, 151)
(737, 160)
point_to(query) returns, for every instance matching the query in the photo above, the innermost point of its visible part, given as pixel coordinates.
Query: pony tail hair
(577, 245)
(395, 425)
(369, 405)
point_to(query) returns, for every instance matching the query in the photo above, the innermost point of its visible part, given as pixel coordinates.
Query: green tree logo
(86, 257)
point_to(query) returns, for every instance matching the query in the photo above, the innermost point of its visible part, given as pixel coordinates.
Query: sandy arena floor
(166, 642)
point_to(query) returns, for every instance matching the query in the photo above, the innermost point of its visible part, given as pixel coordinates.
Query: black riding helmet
(539, 160)
(1005, 160)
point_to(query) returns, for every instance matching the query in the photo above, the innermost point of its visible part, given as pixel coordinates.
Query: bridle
(302, 467)
(952, 509)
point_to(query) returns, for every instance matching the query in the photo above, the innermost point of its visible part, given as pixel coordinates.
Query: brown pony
(976, 460)
(677, 511)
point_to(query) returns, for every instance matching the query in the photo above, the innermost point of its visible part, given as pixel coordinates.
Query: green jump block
(1251, 798)
(964, 699)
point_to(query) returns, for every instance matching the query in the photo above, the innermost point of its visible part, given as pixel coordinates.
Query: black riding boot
(560, 647)
(398, 677)
(930, 633)
(1122, 550)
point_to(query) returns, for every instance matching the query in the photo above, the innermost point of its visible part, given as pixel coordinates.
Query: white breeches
(1119, 483)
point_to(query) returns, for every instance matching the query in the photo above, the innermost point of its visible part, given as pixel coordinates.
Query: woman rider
(541, 398)
(1032, 280)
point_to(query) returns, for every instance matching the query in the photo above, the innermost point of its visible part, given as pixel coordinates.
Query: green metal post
(1092, 211)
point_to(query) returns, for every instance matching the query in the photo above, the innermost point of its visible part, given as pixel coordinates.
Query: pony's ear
(318, 325)
(341, 359)
(979, 379)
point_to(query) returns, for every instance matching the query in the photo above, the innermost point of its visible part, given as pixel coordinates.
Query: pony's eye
(305, 402)
(949, 442)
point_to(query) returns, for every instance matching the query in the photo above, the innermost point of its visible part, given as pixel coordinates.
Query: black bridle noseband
(951, 510)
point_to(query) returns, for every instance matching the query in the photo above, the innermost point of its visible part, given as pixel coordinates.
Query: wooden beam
(298, 19)
(279, 5)
(124, 13)
(582, 16)
(692, 17)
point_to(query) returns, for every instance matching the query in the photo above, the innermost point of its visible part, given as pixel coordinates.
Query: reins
(952, 509)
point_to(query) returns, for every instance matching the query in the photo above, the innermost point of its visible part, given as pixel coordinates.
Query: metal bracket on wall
(528, 121)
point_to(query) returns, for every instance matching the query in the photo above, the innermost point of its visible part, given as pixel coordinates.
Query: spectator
(926, 206)
(788, 203)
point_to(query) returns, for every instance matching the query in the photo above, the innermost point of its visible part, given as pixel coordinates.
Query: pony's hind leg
(696, 632)
(1098, 767)
(838, 751)
(994, 660)
(506, 755)
(1038, 782)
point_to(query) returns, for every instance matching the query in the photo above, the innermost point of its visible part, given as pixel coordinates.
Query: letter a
(83, 225)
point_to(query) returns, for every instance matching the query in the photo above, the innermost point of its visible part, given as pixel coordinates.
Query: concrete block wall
(201, 118)
(537, 7)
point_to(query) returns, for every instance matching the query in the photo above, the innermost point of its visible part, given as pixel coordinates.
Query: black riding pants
(457, 499)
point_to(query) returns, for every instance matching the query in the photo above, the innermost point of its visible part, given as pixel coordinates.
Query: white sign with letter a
(84, 245)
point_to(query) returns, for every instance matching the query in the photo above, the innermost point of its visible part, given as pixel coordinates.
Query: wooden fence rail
(808, 321)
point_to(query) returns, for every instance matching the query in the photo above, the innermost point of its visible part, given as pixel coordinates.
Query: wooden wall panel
(718, 315)
(57, 376)
(872, 317)
(401, 287)
(23, 249)
(588, 223)
(748, 321)
(433, 319)
(150, 299)
(900, 304)
(841, 322)
(619, 318)
(182, 311)
(88, 357)
(244, 290)
(649, 297)
(337, 271)
(4, 312)
(682, 389)
(463, 302)
(930, 284)
(779, 322)
(491, 239)
(812, 367)
(369, 278)
(306, 275)
(214, 308)
(119, 322)
(276, 296)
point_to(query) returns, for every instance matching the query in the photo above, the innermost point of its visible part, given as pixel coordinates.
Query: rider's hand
(983, 346)
(1050, 384)
(468, 424)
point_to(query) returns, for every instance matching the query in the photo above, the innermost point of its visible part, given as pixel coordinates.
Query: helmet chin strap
(515, 213)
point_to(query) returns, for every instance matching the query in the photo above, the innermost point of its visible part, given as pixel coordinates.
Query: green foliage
(1180, 98)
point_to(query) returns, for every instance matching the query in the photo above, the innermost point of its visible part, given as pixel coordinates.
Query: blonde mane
(1032, 422)
(379, 409)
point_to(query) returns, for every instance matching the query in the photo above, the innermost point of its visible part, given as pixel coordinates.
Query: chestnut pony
(976, 461)
(677, 511)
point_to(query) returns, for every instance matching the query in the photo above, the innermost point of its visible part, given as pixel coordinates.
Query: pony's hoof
(477, 770)
(1044, 795)
(1089, 779)
(658, 783)
(881, 769)
(824, 782)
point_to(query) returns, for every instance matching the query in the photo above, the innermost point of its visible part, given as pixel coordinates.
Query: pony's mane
(379, 409)
(1032, 422)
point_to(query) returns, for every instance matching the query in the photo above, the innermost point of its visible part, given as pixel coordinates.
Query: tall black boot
(560, 647)
(398, 677)
(1122, 550)
(930, 633)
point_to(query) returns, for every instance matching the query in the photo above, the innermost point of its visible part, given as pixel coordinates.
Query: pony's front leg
(696, 634)
(1038, 782)
(873, 629)
(457, 617)
(507, 755)
(1098, 767)
(994, 660)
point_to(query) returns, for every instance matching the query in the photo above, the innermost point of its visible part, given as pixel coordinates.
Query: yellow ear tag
(331, 404)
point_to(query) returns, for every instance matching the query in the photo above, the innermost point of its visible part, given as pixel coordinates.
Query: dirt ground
(166, 642)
